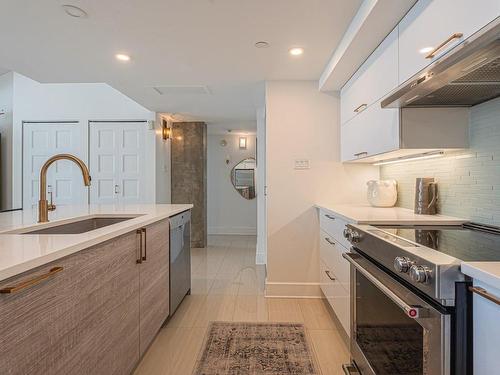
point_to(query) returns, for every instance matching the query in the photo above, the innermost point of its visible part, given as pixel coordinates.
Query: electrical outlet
(301, 164)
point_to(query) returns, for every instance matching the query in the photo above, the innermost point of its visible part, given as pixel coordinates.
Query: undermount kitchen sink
(75, 227)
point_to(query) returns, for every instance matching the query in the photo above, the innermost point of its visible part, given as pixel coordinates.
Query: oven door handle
(413, 312)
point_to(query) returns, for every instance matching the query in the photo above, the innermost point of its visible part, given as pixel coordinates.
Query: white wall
(228, 211)
(302, 123)
(6, 97)
(261, 253)
(163, 164)
(80, 102)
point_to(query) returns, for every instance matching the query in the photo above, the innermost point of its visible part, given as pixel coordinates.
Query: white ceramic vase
(382, 193)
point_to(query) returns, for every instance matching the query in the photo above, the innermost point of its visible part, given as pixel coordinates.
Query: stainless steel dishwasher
(180, 258)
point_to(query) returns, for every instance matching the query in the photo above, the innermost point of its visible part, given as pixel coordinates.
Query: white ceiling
(175, 42)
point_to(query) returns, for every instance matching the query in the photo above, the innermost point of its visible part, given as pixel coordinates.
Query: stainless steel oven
(394, 330)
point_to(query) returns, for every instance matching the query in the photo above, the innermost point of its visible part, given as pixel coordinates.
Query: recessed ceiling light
(296, 51)
(262, 44)
(122, 57)
(74, 11)
(426, 49)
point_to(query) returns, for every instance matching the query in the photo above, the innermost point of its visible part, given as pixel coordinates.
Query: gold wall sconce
(166, 132)
(243, 143)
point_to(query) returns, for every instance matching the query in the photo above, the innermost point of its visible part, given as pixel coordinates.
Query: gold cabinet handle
(329, 241)
(329, 275)
(145, 256)
(32, 282)
(139, 236)
(361, 108)
(363, 153)
(436, 50)
(484, 293)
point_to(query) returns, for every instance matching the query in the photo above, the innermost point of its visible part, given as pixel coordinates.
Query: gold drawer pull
(139, 236)
(329, 275)
(329, 241)
(32, 282)
(363, 153)
(484, 293)
(436, 50)
(361, 108)
(145, 256)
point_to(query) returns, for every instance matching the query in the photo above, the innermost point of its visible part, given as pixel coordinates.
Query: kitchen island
(20, 253)
(79, 300)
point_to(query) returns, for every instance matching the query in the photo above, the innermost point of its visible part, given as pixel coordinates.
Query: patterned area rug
(256, 349)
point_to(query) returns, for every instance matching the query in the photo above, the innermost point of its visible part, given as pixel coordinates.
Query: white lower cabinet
(331, 253)
(334, 226)
(486, 331)
(335, 277)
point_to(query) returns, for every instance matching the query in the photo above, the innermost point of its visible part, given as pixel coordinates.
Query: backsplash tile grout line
(468, 180)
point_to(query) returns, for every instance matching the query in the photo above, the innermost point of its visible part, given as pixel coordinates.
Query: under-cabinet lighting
(427, 155)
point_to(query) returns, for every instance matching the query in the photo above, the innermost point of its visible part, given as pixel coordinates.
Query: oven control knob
(347, 234)
(420, 274)
(355, 236)
(402, 264)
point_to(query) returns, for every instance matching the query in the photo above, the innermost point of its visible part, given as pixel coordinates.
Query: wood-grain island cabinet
(95, 312)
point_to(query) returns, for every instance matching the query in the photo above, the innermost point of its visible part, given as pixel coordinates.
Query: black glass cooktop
(465, 243)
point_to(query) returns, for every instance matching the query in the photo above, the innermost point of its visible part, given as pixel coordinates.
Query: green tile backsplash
(468, 180)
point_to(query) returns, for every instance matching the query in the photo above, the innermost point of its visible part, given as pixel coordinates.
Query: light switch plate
(301, 164)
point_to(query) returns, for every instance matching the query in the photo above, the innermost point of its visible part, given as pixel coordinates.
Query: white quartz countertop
(365, 214)
(20, 253)
(486, 272)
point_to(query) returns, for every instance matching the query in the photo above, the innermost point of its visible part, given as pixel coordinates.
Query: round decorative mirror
(243, 178)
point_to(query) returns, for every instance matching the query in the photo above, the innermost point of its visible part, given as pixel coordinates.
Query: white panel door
(117, 160)
(64, 178)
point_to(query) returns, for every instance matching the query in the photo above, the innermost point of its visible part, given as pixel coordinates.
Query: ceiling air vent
(183, 90)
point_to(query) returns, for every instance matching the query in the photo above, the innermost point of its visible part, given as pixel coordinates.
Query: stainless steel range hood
(467, 75)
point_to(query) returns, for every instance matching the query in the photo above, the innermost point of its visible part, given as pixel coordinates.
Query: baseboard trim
(243, 231)
(293, 290)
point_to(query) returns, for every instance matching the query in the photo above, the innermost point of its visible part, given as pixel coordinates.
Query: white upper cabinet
(441, 25)
(377, 76)
(367, 129)
(374, 131)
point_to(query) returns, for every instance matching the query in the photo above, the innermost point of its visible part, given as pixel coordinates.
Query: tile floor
(228, 286)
